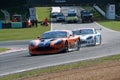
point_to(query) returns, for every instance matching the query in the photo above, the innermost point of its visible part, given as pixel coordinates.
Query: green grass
(114, 25)
(32, 33)
(3, 49)
(43, 12)
(60, 68)
(97, 15)
(111, 24)
(27, 33)
(23, 33)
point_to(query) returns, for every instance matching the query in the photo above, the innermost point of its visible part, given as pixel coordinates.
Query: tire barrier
(13, 25)
(0, 25)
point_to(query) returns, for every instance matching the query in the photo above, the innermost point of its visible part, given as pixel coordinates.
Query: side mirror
(69, 36)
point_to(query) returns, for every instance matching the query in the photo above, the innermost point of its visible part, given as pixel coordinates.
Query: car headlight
(58, 42)
(32, 43)
(90, 37)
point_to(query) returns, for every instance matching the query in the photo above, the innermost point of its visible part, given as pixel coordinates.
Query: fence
(13, 25)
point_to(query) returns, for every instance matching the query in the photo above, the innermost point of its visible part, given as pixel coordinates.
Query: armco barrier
(13, 25)
(6, 25)
(24, 25)
(16, 24)
(0, 24)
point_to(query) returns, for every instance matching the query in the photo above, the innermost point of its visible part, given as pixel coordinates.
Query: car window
(86, 31)
(60, 15)
(72, 14)
(56, 34)
(83, 32)
(77, 32)
(53, 15)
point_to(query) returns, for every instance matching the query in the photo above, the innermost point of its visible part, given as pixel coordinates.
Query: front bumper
(46, 50)
(87, 42)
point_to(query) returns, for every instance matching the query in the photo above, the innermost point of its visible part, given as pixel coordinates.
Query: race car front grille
(44, 48)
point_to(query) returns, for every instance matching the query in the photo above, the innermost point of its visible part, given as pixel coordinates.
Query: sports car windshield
(72, 14)
(54, 34)
(83, 32)
(60, 15)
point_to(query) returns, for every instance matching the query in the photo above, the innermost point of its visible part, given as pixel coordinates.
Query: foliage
(111, 24)
(23, 33)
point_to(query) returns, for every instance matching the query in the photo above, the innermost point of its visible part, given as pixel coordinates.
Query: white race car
(88, 36)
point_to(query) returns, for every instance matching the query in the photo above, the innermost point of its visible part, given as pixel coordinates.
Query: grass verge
(111, 24)
(3, 49)
(75, 65)
(27, 33)
(32, 33)
(43, 12)
(23, 33)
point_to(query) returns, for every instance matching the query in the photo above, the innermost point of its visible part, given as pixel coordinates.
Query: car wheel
(100, 39)
(78, 45)
(82, 21)
(76, 21)
(31, 54)
(94, 42)
(66, 47)
(91, 20)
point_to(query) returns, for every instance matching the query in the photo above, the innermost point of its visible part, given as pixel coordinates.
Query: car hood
(60, 17)
(47, 42)
(72, 17)
(84, 37)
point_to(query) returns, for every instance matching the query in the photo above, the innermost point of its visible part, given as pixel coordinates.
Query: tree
(12, 3)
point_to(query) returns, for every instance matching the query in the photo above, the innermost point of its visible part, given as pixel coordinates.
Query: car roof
(86, 11)
(72, 11)
(59, 30)
(84, 28)
(87, 28)
(55, 9)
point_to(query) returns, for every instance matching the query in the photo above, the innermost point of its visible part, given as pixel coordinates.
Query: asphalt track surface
(21, 60)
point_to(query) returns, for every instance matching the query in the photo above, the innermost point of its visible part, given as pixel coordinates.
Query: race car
(86, 16)
(54, 42)
(88, 36)
(60, 17)
(72, 16)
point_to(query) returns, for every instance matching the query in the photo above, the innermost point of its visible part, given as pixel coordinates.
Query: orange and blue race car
(54, 42)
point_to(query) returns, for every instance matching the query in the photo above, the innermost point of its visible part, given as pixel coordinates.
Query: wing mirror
(69, 36)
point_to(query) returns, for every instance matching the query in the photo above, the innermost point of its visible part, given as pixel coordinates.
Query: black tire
(66, 47)
(94, 41)
(76, 21)
(31, 54)
(100, 40)
(82, 21)
(78, 45)
(91, 21)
